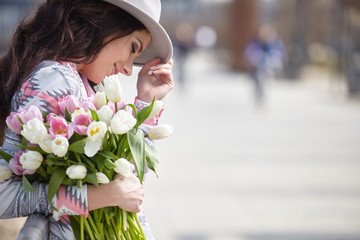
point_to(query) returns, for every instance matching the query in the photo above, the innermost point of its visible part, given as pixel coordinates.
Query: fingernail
(152, 67)
(150, 72)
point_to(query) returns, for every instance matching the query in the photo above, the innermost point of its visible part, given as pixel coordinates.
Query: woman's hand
(125, 192)
(157, 84)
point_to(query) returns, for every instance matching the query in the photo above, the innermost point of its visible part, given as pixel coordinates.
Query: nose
(126, 69)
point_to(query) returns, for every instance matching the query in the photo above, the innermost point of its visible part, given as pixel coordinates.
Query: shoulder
(55, 75)
(49, 83)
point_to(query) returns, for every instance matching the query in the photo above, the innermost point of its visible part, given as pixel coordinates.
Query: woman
(67, 48)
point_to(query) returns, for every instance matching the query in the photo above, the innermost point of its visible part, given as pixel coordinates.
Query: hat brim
(160, 45)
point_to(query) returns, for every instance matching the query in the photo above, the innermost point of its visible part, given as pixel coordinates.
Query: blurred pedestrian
(266, 55)
(183, 41)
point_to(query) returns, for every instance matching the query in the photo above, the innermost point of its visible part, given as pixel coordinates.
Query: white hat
(148, 13)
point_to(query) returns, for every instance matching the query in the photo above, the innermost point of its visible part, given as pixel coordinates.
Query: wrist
(145, 97)
(96, 195)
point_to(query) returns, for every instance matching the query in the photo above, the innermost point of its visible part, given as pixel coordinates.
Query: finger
(170, 62)
(151, 63)
(162, 71)
(166, 66)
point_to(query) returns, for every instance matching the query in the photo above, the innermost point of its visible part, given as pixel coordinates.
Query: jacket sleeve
(44, 89)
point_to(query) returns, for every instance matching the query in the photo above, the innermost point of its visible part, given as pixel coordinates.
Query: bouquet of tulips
(88, 143)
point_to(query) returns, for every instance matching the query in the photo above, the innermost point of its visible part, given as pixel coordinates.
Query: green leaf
(27, 187)
(122, 145)
(152, 159)
(23, 141)
(31, 148)
(144, 113)
(94, 115)
(44, 116)
(133, 108)
(109, 164)
(99, 160)
(89, 163)
(105, 141)
(68, 181)
(137, 148)
(52, 162)
(55, 181)
(107, 154)
(67, 115)
(91, 178)
(5, 156)
(113, 143)
(78, 146)
(75, 226)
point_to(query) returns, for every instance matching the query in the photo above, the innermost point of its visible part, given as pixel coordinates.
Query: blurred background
(266, 113)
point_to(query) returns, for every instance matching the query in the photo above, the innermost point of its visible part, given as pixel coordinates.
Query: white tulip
(102, 178)
(124, 167)
(161, 131)
(96, 133)
(34, 130)
(99, 100)
(158, 105)
(105, 114)
(76, 172)
(31, 160)
(5, 173)
(45, 143)
(122, 122)
(112, 88)
(59, 146)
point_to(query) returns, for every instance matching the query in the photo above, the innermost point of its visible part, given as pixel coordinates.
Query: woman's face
(116, 57)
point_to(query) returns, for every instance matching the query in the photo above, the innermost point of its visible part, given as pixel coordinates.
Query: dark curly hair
(60, 30)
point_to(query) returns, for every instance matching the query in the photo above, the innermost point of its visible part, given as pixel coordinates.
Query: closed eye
(133, 48)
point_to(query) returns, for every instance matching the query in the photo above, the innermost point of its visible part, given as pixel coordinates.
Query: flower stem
(93, 225)
(114, 227)
(81, 228)
(124, 218)
(139, 225)
(87, 226)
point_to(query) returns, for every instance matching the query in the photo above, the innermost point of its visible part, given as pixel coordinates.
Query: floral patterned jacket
(50, 82)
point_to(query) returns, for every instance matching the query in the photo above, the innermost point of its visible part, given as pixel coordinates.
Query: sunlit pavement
(289, 170)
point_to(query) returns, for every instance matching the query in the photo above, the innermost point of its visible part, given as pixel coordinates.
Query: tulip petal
(91, 147)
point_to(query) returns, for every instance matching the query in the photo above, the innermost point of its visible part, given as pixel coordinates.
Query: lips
(116, 69)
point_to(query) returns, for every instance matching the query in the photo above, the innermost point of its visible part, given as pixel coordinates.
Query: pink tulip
(59, 127)
(16, 167)
(50, 117)
(120, 104)
(87, 105)
(31, 113)
(13, 122)
(70, 102)
(81, 123)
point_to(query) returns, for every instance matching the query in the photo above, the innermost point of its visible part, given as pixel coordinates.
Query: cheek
(96, 71)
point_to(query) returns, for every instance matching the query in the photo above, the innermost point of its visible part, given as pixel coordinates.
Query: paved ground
(289, 170)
